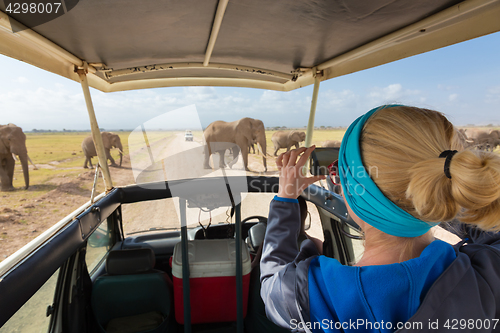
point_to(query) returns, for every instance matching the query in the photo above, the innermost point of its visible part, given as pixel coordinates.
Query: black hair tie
(449, 155)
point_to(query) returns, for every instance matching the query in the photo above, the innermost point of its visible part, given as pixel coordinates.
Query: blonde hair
(402, 145)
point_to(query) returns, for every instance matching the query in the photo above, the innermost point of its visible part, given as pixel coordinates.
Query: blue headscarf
(364, 197)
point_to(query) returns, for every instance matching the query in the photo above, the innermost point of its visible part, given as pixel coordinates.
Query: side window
(32, 316)
(99, 243)
(354, 239)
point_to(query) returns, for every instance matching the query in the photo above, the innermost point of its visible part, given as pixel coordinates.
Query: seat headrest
(133, 261)
(256, 235)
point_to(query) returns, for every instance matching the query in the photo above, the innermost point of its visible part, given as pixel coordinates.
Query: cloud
(200, 93)
(446, 87)
(281, 103)
(390, 92)
(22, 80)
(494, 90)
(493, 95)
(43, 108)
(340, 99)
(394, 93)
(271, 96)
(63, 106)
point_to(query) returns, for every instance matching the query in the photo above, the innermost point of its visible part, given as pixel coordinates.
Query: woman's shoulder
(432, 262)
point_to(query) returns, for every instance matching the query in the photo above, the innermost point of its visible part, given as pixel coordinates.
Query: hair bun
(472, 194)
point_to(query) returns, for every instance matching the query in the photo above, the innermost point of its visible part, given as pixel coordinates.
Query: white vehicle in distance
(188, 136)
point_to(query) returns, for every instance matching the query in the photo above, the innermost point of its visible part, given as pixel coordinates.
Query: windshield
(460, 80)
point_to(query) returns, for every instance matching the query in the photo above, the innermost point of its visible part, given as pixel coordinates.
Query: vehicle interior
(89, 272)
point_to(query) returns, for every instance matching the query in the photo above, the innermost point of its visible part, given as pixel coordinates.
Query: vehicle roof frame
(463, 21)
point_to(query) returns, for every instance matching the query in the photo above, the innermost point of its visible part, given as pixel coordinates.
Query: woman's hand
(292, 181)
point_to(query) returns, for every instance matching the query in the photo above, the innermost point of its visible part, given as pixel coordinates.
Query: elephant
(242, 132)
(487, 141)
(495, 138)
(220, 148)
(109, 140)
(12, 142)
(464, 139)
(287, 139)
(331, 143)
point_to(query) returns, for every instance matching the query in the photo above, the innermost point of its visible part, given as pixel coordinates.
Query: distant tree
(322, 127)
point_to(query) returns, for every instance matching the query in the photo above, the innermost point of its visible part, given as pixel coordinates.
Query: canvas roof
(278, 44)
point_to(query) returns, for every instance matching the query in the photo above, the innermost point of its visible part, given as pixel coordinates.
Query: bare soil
(25, 214)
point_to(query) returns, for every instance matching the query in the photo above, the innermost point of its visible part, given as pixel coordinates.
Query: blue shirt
(372, 298)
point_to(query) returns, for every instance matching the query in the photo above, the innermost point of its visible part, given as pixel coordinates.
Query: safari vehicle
(188, 136)
(52, 283)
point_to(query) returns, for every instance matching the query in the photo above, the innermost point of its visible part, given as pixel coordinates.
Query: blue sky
(462, 80)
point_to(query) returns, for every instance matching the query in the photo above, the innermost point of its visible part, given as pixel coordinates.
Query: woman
(401, 174)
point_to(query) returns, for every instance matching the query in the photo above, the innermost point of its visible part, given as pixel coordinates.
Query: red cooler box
(212, 269)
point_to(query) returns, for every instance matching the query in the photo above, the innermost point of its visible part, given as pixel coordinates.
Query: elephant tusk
(267, 155)
(121, 152)
(34, 166)
(259, 150)
(16, 159)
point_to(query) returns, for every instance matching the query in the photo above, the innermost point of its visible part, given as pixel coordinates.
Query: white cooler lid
(211, 257)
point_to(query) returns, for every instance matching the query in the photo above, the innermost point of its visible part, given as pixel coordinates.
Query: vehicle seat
(256, 319)
(132, 296)
(256, 236)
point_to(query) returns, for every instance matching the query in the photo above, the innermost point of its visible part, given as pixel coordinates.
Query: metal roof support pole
(96, 133)
(312, 113)
(219, 15)
(186, 292)
(239, 271)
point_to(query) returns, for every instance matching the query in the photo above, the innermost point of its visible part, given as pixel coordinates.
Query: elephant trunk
(262, 144)
(24, 163)
(120, 149)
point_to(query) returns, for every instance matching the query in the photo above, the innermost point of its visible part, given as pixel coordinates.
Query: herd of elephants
(238, 136)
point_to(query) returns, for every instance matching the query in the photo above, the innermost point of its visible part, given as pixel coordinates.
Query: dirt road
(182, 159)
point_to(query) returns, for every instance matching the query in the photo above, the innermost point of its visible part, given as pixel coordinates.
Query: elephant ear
(106, 139)
(3, 148)
(119, 141)
(247, 129)
(295, 136)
